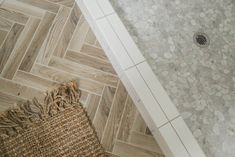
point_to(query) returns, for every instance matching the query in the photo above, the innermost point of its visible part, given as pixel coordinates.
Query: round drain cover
(201, 39)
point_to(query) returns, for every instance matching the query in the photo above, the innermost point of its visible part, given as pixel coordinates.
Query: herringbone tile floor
(46, 42)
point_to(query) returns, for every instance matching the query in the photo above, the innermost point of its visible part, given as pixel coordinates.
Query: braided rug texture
(59, 127)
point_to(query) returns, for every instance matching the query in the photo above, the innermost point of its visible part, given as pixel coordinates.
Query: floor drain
(201, 39)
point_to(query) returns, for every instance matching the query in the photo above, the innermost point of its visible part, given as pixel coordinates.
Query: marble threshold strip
(152, 101)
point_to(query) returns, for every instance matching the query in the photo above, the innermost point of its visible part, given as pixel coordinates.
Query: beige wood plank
(5, 24)
(111, 155)
(84, 96)
(7, 101)
(94, 52)
(3, 35)
(53, 36)
(61, 76)
(144, 141)
(114, 119)
(83, 71)
(90, 61)
(9, 44)
(103, 110)
(9, 87)
(90, 37)
(21, 46)
(127, 120)
(127, 150)
(28, 79)
(79, 35)
(67, 32)
(23, 8)
(92, 105)
(139, 124)
(36, 43)
(68, 3)
(13, 15)
(43, 4)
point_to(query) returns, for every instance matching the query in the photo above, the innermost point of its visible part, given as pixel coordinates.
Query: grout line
(168, 122)
(134, 65)
(152, 94)
(180, 140)
(99, 18)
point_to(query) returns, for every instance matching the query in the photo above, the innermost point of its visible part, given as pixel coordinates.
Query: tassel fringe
(30, 113)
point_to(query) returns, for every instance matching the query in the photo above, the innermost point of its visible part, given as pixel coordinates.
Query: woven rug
(59, 127)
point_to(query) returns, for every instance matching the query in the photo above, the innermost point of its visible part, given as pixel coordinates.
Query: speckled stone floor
(200, 81)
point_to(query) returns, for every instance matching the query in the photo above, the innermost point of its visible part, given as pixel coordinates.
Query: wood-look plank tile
(9, 87)
(92, 105)
(53, 36)
(5, 24)
(9, 44)
(79, 35)
(13, 15)
(23, 8)
(84, 96)
(68, 3)
(144, 141)
(139, 124)
(127, 121)
(90, 37)
(112, 155)
(61, 76)
(103, 110)
(94, 52)
(21, 46)
(114, 119)
(90, 61)
(28, 79)
(67, 32)
(83, 71)
(7, 101)
(127, 150)
(43, 4)
(36, 43)
(3, 35)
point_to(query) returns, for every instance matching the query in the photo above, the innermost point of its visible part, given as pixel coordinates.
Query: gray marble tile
(200, 81)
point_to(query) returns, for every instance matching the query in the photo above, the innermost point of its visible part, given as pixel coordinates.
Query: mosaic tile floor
(200, 81)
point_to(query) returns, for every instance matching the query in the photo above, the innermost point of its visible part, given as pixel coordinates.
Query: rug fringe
(23, 116)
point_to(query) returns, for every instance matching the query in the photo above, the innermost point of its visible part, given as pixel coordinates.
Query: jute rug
(58, 128)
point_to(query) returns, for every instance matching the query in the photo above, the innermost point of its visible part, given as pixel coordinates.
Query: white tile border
(154, 104)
